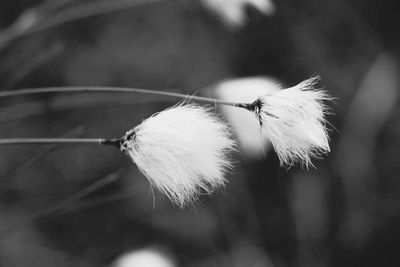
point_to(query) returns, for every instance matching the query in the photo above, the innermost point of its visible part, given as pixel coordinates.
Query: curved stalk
(71, 89)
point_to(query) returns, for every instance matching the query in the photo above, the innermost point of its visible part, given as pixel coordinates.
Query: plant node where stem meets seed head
(294, 119)
(182, 151)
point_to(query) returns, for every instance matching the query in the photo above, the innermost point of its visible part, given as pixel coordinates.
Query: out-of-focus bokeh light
(146, 257)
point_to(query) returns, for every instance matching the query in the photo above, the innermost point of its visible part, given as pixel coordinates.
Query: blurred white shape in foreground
(146, 257)
(254, 143)
(233, 12)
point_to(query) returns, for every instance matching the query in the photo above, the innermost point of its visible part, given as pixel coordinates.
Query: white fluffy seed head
(294, 119)
(182, 151)
(232, 12)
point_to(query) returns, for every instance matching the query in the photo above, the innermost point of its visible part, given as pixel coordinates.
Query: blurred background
(90, 206)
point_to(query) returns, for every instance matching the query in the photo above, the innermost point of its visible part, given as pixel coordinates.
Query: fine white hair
(232, 12)
(254, 143)
(294, 119)
(183, 151)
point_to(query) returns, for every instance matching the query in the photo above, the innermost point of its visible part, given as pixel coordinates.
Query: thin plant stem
(69, 89)
(44, 141)
(101, 141)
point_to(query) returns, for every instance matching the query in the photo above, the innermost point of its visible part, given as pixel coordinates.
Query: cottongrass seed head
(295, 121)
(182, 151)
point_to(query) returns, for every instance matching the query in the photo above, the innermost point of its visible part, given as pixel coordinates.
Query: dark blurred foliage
(85, 205)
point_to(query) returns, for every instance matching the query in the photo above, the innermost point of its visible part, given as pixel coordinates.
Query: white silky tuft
(232, 12)
(182, 151)
(254, 143)
(294, 119)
